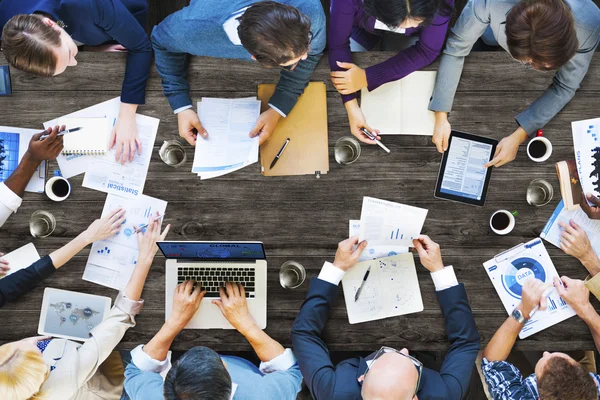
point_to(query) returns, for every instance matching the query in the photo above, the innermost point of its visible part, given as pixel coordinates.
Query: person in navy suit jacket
(42, 37)
(388, 373)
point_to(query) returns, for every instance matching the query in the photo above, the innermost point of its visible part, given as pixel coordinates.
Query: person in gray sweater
(547, 35)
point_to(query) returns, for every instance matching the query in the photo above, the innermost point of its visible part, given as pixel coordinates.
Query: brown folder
(306, 126)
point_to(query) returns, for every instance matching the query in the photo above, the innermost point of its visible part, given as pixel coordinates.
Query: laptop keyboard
(212, 278)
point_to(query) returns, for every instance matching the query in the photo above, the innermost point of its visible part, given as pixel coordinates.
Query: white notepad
(92, 139)
(400, 107)
(21, 258)
(391, 289)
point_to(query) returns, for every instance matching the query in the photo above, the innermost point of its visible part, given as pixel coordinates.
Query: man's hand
(186, 302)
(593, 212)
(357, 121)
(47, 149)
(345, 257)
(507, 149)
(190, 126)
(429, 253)
(349, 81)
(265, 125)
(574, 241)
(4, 267)
(147, 240)
(574, 293)
(104, 227)
(441, 131)
(532, 292)
(125, 134)
(234, 307)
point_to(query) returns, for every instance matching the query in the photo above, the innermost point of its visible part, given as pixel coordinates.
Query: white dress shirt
(9, 203)
(442, 280)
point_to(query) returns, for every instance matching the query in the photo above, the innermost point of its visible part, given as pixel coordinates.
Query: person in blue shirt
(387, 374)
(201, 373)
(42, 37)
(286, 34)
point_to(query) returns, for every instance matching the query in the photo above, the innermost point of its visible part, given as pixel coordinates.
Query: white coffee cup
(51, 189)
(503, 216)
(543, 157)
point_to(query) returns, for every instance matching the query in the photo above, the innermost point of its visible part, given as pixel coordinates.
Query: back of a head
(394, 12)
(541, 32)
(22, 373)
(199, 374)
(274, 33)
(563, 379)
(27, 44)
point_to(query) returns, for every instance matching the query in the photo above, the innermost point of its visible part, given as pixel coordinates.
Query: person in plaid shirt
(557, 376)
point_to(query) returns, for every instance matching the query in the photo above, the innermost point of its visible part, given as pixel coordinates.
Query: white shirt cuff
(278, 110)
(9, 198)
(330, 273)
(146, 363)
(180, 109)
(282, 362)
(444, 279)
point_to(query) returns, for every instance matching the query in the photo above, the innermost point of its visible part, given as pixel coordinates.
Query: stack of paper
(14, 142)
(102, 172)
(391, 289)
(385, 223)
(112, 261)
(228, 146)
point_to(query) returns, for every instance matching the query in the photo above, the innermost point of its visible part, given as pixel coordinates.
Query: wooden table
(303, 218)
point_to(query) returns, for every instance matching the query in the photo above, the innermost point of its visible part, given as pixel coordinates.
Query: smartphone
(5, 85)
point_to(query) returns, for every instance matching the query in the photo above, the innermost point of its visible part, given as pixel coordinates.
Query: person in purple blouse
(362, 21)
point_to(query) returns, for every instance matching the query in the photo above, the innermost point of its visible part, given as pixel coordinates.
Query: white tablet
(71, 315)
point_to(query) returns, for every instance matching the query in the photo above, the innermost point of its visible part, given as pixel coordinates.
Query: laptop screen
(213, 250)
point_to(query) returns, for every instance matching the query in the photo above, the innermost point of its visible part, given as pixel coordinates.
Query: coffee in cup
(57, 187)
(539, 148)
(502, 222)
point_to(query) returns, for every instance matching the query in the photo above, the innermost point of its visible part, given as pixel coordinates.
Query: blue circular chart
(520, 270)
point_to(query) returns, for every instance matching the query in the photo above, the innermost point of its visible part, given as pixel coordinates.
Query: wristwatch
(518, 315)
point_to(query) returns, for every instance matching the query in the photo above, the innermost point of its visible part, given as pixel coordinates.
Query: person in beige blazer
(37, 368)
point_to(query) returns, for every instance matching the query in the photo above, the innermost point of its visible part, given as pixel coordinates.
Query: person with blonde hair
(57, 369)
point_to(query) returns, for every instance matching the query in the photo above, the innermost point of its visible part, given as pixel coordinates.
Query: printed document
(385, 223)
(112, 261)
(552, 230)
(586, 142)
(14, 144)
(228, 146)
(508, 272)
(20, 258)
(373, 252)
(391, 289)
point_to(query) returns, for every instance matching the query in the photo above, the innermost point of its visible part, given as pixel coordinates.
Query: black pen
(280, 153)
(362, 283)
(63, 132)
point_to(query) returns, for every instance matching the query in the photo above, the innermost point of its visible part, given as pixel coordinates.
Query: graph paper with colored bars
(509, 270)
(111, 261)
(586, 144)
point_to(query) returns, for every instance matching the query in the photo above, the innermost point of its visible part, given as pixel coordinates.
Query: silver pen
(63, 132)
(373, 137)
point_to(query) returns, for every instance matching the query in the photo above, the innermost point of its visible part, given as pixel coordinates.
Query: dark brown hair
(274, 33)
(542, 32)
(563, 379)
(27, 44)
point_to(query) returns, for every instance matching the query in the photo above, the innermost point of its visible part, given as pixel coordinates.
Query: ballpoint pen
(141, 228)
(373, 137)
(63, 132)
(545, 294)
(280, 153)
(362, 284)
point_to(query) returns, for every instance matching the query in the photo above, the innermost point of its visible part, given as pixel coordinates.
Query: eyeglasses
(384, 350)
(294, 65)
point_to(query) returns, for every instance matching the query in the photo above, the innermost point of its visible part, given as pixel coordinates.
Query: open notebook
(400, 107)
(91, 139)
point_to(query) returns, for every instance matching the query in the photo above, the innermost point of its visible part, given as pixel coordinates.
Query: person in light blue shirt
(201, 373)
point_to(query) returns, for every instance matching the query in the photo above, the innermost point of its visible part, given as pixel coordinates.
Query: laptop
(212, 264)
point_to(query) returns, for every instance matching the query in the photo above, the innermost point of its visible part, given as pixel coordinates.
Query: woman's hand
(104, 227)
(147, 238)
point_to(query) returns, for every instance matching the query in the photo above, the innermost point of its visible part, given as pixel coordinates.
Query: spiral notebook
(92, 138)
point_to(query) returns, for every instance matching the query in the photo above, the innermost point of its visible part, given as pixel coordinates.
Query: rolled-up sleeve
(593, 285)
(282, 362)
(146, 363)
(9, 203)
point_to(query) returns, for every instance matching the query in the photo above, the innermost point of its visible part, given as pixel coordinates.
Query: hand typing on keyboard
(185, 303)
(234, 307)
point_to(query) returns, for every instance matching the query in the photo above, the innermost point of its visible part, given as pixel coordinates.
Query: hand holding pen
(374, 137)
(152, 219)
(63, 132)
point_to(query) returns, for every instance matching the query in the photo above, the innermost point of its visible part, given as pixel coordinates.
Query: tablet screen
(465, 175)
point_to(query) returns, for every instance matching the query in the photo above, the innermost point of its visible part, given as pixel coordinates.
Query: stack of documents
(14, 142)
(228, 146)
(102, 172)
